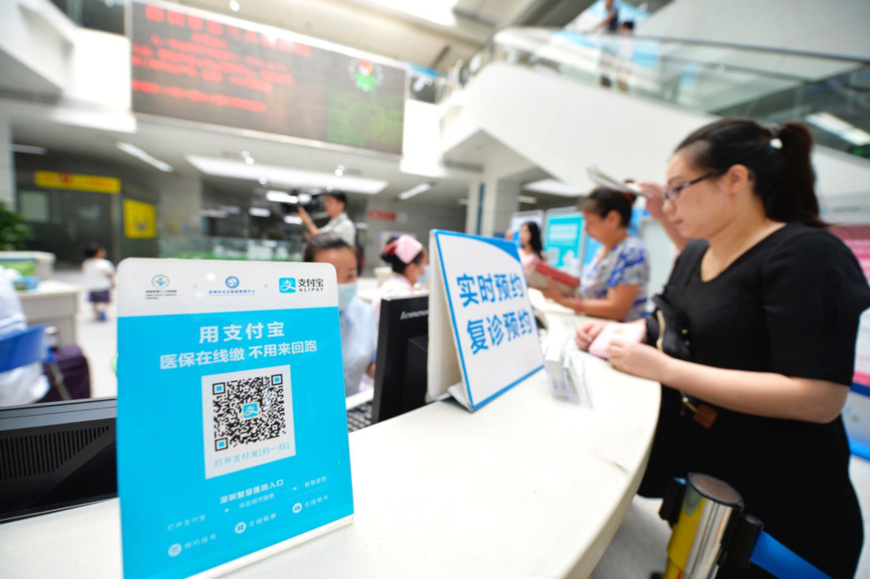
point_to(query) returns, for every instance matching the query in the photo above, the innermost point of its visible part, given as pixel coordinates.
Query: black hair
(91, 250)
(628, 24)
(338, 196)
(397, 265)
(535, 238)
(323, 242)
(603, 200)
(778, 158)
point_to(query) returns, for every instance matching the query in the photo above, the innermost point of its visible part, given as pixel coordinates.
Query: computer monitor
(56, 455)
(400, 372)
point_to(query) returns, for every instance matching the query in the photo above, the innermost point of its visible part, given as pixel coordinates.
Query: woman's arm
(759, 393)
(614, 306)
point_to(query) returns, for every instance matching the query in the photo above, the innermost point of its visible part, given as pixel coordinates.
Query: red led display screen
(245, 76)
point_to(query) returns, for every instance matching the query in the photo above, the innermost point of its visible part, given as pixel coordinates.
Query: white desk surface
(525, 487)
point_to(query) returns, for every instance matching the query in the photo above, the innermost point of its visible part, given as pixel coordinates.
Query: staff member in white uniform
(356, 318)
(335, 204)
(410, 264)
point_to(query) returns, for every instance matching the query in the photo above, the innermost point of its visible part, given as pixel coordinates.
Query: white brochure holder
(483, 339)
(231, 433)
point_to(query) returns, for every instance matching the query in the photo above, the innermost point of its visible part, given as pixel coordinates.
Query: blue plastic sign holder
(483, 339)
(232, 432)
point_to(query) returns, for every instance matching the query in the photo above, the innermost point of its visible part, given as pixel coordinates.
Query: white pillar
(7, 164)
(503, 174)
(178, 212)
(473, 208)
(499, 203)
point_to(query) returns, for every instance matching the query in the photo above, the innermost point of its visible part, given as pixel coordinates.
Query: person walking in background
(769, 303)
(99, 279)
(335, 204)
(356, 317)
(614, 285)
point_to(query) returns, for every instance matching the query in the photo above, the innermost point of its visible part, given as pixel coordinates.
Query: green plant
(13, 231)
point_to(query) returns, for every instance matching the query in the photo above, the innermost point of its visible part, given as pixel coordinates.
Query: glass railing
(831, 94)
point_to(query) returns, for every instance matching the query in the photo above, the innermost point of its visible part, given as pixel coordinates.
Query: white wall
(832, 26)
(416, 218)
(36, 35)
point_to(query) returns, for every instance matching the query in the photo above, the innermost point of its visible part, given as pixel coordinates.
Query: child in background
(99, 279)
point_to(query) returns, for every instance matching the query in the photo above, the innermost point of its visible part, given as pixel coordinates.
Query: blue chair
(29, 346)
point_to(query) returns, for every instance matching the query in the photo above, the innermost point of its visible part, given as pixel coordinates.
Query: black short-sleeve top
(790, 305)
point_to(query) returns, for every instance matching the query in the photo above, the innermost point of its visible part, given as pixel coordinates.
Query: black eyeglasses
(673, 193)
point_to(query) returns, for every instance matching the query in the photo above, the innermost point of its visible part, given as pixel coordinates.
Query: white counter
(56, 303)
(524, 487)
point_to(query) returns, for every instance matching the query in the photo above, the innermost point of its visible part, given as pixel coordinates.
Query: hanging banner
(75, 182)
(480, 305)
(232, 434)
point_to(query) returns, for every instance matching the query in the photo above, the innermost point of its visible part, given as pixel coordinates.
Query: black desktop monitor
(56, 455)
(400, 373)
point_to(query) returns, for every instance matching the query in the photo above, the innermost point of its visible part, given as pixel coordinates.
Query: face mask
(424, 277)
(346, 292)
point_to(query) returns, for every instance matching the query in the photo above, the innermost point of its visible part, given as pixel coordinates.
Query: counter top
(527, 486)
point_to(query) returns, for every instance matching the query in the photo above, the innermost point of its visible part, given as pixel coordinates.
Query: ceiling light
(437, 11)
(143, 156)
(281, 197)
(421, 188)
(552, 187)
(231, 209)
(249, 160)
(526, 199)
(843, 129)
(29, 149)
(259, 212)
(235, 6)
(284, 176)
(263, 181)
(304, 198)
(292, 220)
(339, 171)
(216, 213)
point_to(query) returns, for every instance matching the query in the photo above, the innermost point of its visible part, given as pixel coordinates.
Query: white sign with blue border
(232, 431)
(485, 298)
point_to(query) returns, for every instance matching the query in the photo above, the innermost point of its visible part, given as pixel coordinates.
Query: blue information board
(232, 432)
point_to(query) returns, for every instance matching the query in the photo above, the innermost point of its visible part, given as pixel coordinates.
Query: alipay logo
(250, 410)
(287, 285)
(232, 282)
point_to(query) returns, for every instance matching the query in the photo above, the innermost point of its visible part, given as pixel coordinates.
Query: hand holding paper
(630, 332)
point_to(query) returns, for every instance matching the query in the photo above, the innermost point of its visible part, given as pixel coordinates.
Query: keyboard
(359, 416)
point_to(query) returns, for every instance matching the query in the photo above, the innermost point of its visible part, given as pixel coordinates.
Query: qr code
(247, 419)
(248, 410)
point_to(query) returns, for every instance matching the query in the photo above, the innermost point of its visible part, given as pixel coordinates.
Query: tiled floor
(639, 545)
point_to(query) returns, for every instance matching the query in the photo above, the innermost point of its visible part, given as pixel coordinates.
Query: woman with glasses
(768, 302)
(614, 285)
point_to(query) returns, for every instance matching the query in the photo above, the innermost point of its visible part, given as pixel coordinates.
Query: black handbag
(664, 331)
